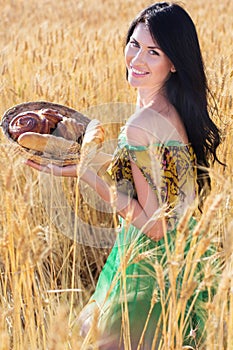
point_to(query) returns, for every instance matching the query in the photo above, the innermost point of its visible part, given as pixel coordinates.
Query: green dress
(128, 293)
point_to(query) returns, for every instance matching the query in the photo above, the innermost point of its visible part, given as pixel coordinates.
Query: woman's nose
(139, 57)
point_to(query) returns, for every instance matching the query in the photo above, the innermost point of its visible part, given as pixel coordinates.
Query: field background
(71, 52)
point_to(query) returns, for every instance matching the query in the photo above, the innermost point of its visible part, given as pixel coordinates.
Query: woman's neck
(157, 101)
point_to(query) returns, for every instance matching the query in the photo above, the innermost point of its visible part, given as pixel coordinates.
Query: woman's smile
(138, 73)
(148, 66)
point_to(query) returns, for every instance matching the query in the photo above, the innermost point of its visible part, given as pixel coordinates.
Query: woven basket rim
(43, 158)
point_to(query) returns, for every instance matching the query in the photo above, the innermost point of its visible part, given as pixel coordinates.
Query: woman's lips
(137, 72)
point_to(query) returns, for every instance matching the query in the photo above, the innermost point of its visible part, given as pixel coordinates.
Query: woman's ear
(173, 69)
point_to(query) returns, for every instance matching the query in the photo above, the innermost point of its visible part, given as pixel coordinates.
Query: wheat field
(71, 53)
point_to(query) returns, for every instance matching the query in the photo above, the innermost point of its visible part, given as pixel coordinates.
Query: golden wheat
(72, 53)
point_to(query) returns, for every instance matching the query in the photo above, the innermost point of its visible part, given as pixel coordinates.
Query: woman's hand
(92, 141)
(66, 171)
(101, 161)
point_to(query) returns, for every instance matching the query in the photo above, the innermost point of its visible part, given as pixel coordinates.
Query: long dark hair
(174, 31)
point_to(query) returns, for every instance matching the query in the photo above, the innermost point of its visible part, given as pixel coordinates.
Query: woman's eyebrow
(149, 47)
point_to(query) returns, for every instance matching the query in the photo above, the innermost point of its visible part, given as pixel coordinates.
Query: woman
(159, 168)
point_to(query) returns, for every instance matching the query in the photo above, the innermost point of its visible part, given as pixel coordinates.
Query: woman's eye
(133, 44)
(153, 52)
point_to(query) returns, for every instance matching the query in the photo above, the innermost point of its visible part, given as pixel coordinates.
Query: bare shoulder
(147, 126)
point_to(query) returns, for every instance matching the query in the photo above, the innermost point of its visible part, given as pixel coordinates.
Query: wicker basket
(39, 157)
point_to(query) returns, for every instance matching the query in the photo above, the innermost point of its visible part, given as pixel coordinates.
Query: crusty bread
(94, 135)
(70, 129)
(46, 143)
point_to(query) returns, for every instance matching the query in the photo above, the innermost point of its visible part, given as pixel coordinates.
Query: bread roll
(52, 115)
(70, 129)
(28, 121)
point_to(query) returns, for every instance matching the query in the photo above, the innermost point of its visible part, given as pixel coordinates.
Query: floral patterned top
(169, 168)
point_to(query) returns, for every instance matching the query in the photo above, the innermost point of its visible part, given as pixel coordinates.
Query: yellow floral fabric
(169, 168)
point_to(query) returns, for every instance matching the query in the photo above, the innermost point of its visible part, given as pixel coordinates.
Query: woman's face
(148, 66)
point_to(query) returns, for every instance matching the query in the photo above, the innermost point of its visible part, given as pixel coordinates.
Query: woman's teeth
(138, 71)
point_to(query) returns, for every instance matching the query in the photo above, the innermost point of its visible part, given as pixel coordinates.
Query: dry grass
(72, 53)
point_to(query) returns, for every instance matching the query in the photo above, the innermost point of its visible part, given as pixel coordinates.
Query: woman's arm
(101, 161)
(139, 212)
(151, 217)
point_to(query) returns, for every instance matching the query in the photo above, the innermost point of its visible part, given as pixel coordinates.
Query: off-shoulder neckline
(168, 143)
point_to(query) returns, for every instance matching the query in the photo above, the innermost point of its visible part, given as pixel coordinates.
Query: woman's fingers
(67, 171)
(37, 166)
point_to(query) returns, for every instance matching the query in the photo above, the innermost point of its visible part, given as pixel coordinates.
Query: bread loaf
(56, 146)
(94, 135)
